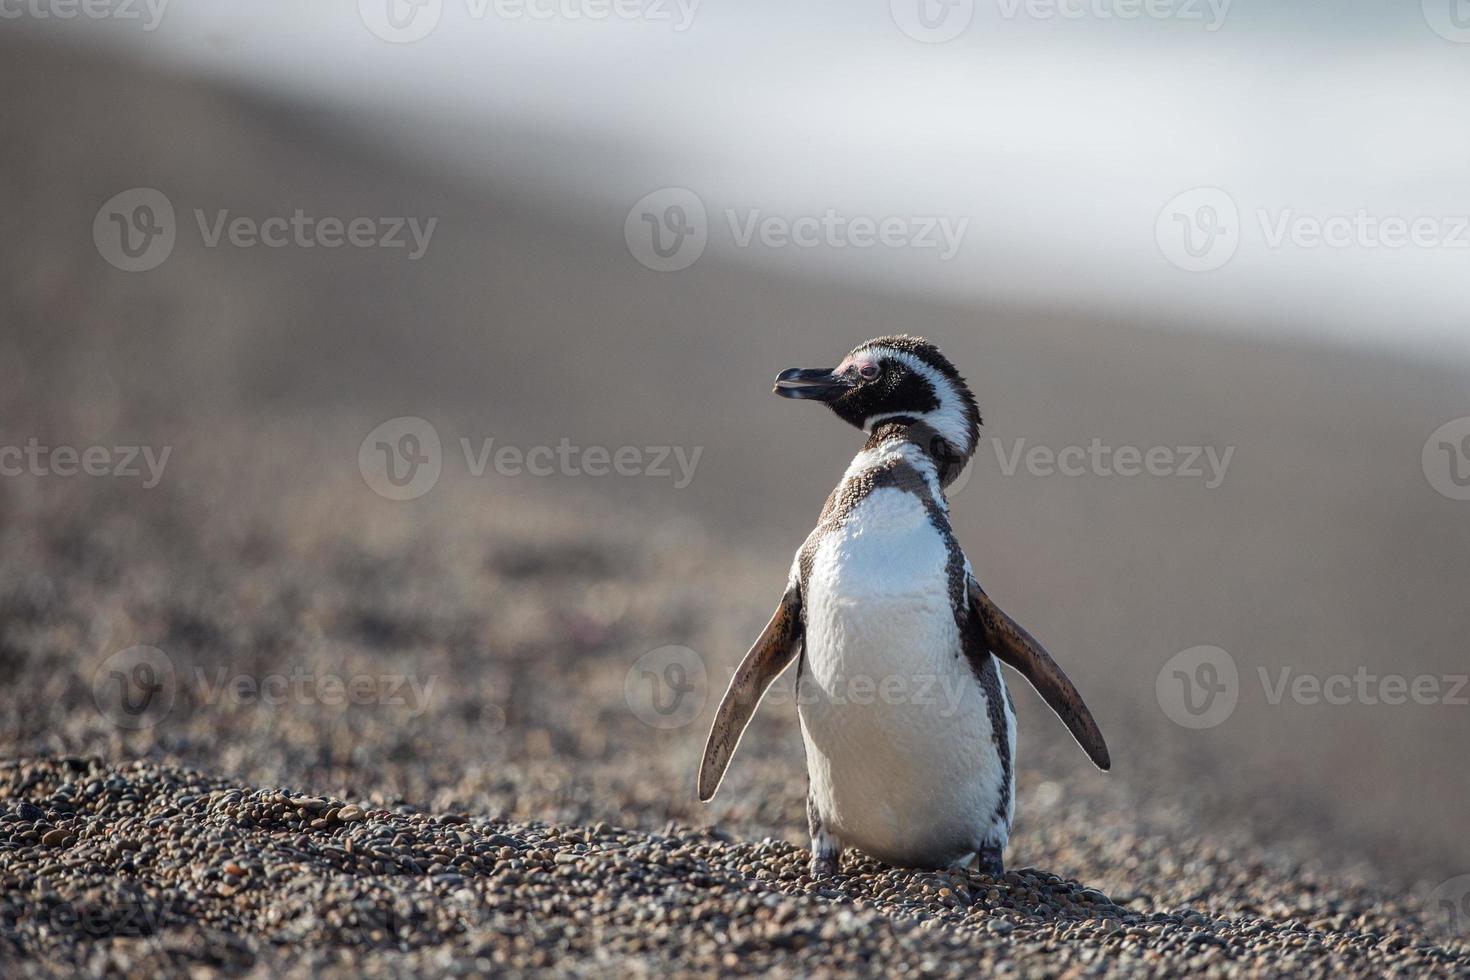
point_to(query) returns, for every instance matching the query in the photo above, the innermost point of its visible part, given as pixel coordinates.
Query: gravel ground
(519, 813)
(157, 869)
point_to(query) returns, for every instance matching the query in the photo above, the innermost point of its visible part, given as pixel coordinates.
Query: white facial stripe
(949, 419)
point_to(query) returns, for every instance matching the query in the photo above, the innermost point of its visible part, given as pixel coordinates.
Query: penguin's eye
(868, 371)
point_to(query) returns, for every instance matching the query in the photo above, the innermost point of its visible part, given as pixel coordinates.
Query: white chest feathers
(900, 749)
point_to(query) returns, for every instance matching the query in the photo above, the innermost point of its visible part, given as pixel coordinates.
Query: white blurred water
(1059, 139)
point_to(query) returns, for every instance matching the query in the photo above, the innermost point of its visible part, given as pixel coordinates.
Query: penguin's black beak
(815, 384)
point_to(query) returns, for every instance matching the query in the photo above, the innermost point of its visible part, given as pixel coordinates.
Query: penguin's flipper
(1009, 641)
(773, 650)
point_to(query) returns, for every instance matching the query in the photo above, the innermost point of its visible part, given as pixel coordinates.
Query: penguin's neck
(948, 461)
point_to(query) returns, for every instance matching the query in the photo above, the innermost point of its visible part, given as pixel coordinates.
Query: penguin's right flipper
(1009, 641)
(772, 652)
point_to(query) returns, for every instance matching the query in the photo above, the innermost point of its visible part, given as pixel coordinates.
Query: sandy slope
(495, 797)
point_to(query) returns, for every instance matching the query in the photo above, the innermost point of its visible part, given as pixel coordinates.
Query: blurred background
(297, 244)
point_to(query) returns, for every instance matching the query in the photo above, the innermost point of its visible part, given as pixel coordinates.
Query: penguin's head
(895, 379)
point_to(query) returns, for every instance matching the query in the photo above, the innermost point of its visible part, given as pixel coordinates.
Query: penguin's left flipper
(1009, 641)
(772, 652)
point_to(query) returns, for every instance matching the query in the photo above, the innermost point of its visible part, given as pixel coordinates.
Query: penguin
(909, 731)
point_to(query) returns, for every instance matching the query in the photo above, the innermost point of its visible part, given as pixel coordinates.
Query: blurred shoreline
(1075, 143)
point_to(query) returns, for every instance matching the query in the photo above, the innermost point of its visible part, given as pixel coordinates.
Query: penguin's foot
(826, 849)
(990, 860)
(826, 852)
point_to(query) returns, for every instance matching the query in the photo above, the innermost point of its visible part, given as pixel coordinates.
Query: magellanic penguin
(910, 733)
